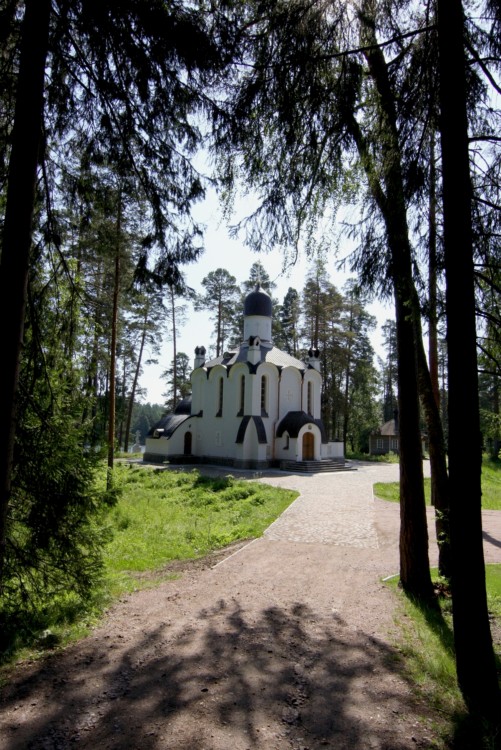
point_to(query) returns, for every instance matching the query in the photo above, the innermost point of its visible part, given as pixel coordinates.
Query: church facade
(255, 407)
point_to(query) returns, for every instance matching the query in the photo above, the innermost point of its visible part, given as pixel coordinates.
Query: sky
(223, 251)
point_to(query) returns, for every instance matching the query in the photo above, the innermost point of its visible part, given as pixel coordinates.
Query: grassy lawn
(173, 515)
(426, 640)
(161, 516)
(491, 487)
(426, 643)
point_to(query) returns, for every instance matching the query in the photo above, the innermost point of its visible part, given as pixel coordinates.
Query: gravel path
(285, 643)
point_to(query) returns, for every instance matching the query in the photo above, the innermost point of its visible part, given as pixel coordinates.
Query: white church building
(255, 407)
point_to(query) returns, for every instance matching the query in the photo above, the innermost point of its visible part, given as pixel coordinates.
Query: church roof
(270, 354)
(258, 302)
(167, 425)
(294, 420)
(184, 406)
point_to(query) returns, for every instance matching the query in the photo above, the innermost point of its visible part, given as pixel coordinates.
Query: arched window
(241, 409)
(264, 396)
(309, 407)
(219, 412)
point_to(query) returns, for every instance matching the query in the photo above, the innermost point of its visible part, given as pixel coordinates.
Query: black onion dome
(258, 302)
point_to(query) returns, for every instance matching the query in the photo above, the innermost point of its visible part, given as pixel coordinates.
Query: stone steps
(314, 467)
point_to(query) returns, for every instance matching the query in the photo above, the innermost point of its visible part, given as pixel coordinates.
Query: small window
(219, 412)
(241, 409)
(309, 408)
(379, 444)
(264, 396)
(286, 441)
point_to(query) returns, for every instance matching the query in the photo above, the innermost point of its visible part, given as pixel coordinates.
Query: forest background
(391, 106)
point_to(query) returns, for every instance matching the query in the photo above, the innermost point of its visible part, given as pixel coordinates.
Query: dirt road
(283, 643)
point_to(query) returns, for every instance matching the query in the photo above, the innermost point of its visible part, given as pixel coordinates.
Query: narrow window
(310, 399)
(242, 396)
(286, 441)
(264, 396)
(220, 399)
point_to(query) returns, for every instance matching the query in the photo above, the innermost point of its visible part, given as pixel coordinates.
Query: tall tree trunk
(432, 279)
(430, 394)
(347, 381)
(438, 460)
(123, 400)
(113, 351)
(475, 663)
(17, 232)
(415, 577)
(219, 327)
(174, 347)
(495, 446)
(136, 378)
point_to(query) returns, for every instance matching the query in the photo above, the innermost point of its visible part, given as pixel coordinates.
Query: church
(256, 407)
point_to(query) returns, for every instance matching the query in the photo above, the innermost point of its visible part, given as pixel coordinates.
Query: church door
(308, 446)
(187, 444)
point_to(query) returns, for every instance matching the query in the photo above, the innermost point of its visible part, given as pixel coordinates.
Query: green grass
(168, 515)
(491, 487)
(386, 458)
(426, 644)
(491, 484)
(161, 516)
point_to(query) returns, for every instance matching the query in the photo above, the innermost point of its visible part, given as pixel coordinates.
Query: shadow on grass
(469, 732)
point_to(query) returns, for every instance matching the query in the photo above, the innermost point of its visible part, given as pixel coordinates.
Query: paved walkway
(335, 508)
(339, 508)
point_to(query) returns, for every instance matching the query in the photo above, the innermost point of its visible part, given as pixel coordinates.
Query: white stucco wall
(313, 377)
(271, 373)
(290, 391)
(333, 450)
(198, 381)
(257, 325)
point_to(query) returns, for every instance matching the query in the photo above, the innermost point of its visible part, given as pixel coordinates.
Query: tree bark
(113, 349)
(432, 279)
(174, 347)
(430, 394)
(136, 379)
(438, 460)
(475, 662)
(17, 232)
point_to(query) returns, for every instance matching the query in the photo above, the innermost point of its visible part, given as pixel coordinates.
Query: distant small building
(256, 406)
(386, 439)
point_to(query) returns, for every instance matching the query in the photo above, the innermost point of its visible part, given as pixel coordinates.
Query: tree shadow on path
(225, 679)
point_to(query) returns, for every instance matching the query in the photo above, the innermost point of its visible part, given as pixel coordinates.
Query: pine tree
(123, 83)
(221, 298)
(289, 317)
(476, 667)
